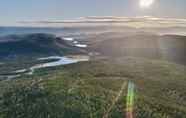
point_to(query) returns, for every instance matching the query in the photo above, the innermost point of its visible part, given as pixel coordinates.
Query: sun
(146, 3)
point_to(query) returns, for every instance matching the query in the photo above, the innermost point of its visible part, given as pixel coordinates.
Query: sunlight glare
(146, 3)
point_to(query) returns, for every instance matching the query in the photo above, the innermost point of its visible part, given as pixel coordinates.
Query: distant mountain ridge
(168, 47)
(34, 44)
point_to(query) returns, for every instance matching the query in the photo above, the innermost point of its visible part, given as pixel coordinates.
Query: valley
(92, 75)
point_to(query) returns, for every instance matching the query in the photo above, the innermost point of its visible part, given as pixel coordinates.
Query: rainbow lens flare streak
(130, 100)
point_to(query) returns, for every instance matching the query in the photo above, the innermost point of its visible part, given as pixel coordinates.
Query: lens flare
(146, 3)
(130, 100)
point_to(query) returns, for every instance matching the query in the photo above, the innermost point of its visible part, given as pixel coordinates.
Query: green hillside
(98, 89)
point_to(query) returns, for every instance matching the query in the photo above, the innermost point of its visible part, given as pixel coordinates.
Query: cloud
(134, 22)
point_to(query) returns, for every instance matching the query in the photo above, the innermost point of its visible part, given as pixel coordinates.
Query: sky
(13, 11)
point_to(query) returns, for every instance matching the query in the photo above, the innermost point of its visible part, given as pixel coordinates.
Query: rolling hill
(152, 46)
(36, 44)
